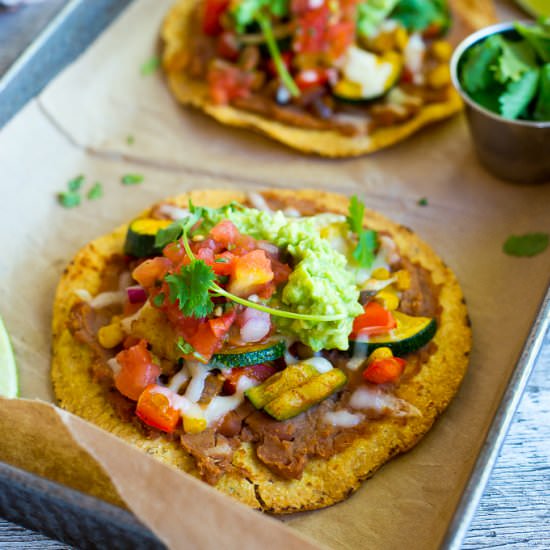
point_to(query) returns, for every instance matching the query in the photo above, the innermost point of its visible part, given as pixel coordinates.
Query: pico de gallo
(345, 65)
(253, 323)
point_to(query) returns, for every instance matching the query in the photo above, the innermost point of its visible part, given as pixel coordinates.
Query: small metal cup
(513, 150)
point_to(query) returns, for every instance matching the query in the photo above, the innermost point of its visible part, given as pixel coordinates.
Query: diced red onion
(255, 325)
(136, 294)
(271, 249)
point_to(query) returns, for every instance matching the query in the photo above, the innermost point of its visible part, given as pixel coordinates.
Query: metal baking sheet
(69, 33)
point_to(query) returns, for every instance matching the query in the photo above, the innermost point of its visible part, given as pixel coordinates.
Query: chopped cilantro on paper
(95, 192)
(423, 201)
(509, 74)
(150, 66)
(68, 199)
(76, 183)
(529, 244)
(131, 179)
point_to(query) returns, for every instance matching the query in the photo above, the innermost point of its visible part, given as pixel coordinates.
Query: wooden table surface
(514, 512)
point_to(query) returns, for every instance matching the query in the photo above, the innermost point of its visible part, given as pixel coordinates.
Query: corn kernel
(402, 279)
(111, 335)
(442, 50)
(379, 353)
(193, 425)
(401, 38)
(388, 298)
(381, 273)
(439, 77)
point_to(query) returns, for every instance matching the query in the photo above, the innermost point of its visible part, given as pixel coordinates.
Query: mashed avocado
(319, 284)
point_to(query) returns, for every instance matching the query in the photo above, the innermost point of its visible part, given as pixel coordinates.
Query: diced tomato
(210, 335)
(310, 78)
(340, 37)
(206, 255)
(220, 325)
(228, 82)
(310, 34)
(151, 270)
(213, 10)
(433, 30)
(155, 408)
(130, 309)
(137, 370)
(225, 233)
(175, 252)
(250, 272)
(223, 263)
(258, 372)
(227, 46)
(375, 320)
(382, 371)
(407, 76)
(281, 272)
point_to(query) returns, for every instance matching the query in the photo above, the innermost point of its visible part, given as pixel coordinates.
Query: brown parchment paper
(100, 100)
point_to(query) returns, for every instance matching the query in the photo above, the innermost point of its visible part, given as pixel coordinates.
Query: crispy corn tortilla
(468, 16)
(324, 482)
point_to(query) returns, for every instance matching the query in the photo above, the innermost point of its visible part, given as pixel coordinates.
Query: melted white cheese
(126, 323)
(179, 379)
(414, 53)
(374, 399)
(198, 372)
(343, 418)
(320, 363)
(107, 299)
(114, 365)
(221, 405)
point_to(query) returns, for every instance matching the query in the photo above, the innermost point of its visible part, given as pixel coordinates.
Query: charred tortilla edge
(324, 482)
(330, 143)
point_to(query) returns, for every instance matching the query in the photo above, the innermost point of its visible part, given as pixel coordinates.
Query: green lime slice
(8, 369)
(535, 7)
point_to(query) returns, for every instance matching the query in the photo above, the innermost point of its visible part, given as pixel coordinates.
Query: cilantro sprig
(367, 239)
(195, 285)
(510, 74)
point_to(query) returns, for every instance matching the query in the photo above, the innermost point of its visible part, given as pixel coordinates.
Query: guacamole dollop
(319, 284)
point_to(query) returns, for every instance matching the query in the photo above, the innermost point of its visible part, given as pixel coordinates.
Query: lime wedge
(535, 7)
(8, 369)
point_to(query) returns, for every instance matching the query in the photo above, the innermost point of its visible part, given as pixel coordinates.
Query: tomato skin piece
(213, 10)
(227, 46)
(374, 321)
(155, 409)
(152, 270)
(382, 371)
(224, 233)
(259, 372)
(137, 370)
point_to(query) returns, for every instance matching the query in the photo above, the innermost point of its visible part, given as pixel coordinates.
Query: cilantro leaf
(356, 211)
(364, 252)
(516, 59)
(150, 66)
(418, 15)
(190, 287)
(185, 347)
(130, 140)
(475, 73)
(76, 183)
(371, 14)
(423, 201)
(158, 300)
(519, 94)
(131, 179)
(175, 230)
(529, 244)
(542, 108)
(68, 199)
(245, 12)
(538, 36)
(95, 192)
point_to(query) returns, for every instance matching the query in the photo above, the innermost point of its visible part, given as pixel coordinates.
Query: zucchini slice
(140, 237)
(244, 356)
(368, 76)
(410, 334)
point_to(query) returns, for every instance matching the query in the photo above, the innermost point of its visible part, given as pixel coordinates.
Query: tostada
(333, 77)
(279, 345)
